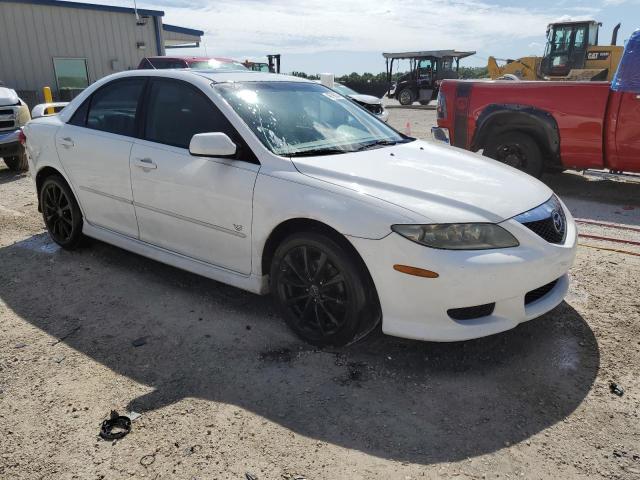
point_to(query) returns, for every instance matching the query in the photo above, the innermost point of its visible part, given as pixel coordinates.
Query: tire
(17, 163)
(406, 97)
(517, 150)
(321, 291)
(61, 213)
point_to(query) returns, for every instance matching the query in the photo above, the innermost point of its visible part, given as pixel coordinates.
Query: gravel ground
(224, 388)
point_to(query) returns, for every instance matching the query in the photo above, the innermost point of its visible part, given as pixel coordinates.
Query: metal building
(69, 45)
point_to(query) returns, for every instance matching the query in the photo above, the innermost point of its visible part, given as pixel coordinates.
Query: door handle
(145, 163)
(66, 142)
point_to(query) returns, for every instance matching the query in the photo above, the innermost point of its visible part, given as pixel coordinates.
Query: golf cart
(427, 70)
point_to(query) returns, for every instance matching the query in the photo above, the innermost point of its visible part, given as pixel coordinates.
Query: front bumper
(415, 307)
(10, 143)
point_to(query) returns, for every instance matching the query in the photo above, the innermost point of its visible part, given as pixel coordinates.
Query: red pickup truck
(548, 126)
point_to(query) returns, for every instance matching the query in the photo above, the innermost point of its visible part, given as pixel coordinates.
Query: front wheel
(320, 290)
(406, 97)
(61, 212)
(517, 150)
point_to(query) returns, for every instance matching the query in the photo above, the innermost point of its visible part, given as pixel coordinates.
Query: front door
(94, 149)
(200, 207)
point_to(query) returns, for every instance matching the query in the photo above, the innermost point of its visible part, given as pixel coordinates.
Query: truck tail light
(442, 106)
(22, 138)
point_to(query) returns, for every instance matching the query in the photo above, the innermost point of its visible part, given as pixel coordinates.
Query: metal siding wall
(32, 35)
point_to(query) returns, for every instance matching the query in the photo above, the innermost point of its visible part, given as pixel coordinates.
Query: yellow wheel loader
(572, 53)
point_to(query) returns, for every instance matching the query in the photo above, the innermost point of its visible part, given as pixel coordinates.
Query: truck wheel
(17, 163)
(406, 97)
(517, 150)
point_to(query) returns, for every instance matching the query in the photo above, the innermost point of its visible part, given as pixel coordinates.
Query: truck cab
(14, 114)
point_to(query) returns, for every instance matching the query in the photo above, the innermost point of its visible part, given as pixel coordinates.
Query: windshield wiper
(318, 151)
(377, 144)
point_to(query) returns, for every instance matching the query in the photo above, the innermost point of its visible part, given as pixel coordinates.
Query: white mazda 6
(276, 184)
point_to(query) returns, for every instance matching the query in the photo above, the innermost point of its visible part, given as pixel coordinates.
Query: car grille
(539, 292)
(470, 313)
(548, 221)
(7, 118)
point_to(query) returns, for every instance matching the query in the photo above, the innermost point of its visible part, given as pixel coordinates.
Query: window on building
(113, 107)
(71, 73)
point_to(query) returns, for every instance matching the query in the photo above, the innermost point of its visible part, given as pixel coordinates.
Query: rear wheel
(61, 212)
(406, 97)
(319, 289)
(17, 163)
(517, 150)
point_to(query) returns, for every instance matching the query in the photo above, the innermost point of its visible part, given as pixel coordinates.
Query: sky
(344, 36)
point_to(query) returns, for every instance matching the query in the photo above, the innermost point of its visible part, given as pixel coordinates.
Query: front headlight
(458, 236)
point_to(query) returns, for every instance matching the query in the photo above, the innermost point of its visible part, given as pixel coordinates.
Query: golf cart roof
(429, 54)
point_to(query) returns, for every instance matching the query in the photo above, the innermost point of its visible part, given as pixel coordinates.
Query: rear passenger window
(177, 111)
(113, 108)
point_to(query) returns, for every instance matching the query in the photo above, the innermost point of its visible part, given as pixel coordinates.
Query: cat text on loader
(572, 53)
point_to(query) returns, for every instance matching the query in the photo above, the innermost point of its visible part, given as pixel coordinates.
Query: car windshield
(299, 118)
(343, 89)
(217, 65)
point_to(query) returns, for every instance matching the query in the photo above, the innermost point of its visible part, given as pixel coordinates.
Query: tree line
(376, 84)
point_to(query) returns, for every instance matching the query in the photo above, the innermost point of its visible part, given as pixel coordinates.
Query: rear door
(196, 206)
(94, 149)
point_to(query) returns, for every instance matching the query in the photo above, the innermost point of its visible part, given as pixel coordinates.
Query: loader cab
(567, 45)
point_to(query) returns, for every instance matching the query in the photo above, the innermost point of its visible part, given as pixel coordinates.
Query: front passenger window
(114, 106)
(177, 111)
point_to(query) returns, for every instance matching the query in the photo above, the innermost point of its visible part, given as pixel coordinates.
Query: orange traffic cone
(407, 129)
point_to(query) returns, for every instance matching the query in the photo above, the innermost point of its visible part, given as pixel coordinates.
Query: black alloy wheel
(61, 212)
(319, 289)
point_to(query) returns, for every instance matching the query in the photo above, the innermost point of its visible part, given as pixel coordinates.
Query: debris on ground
(283, 355)
(133, 416)
(115, 427)
(616, 389)
(138, 342)
(147, 460)
(66, 335)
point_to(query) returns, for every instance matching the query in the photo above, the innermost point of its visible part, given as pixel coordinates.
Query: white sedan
(277, 184)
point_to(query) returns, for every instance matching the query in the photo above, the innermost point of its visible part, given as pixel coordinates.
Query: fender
(540, 124)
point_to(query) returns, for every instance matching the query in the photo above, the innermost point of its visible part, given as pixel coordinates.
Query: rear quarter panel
(578, 108)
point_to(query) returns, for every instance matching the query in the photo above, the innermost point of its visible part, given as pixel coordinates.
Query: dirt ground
(225, 389)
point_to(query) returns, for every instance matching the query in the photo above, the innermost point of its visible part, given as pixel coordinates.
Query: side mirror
(214, 144)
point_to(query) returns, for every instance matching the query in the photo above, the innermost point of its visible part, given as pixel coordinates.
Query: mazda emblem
(558, 221)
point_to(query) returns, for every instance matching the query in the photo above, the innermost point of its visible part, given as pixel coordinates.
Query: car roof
(216, 76)
(220, 76)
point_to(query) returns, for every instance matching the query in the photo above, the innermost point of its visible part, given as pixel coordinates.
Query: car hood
(368, 99)
(8, 97)
(440, 183)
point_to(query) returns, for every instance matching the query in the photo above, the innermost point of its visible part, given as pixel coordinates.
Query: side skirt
(251, 283)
